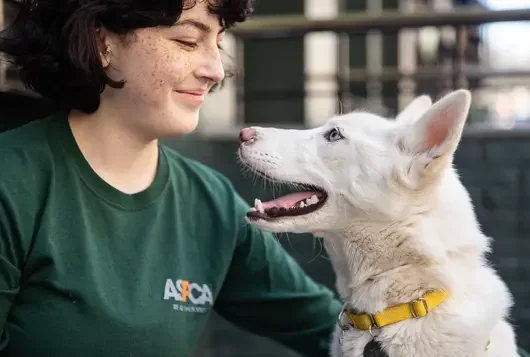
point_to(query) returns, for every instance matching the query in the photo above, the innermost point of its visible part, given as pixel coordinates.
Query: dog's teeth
(252, 209)
(302, 204)
(311, 201)
(258, 205)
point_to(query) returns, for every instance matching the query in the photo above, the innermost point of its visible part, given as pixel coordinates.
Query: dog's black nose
(247, 135)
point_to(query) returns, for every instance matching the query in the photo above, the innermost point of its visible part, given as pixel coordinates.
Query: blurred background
(300, 61)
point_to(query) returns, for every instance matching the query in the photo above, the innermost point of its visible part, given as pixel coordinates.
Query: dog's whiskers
(319, 254)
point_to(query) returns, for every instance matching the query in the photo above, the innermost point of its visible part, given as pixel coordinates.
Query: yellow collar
(412, 310)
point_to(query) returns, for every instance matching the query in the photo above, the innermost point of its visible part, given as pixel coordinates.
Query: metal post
(239, 54)
(374, 58)
(344, 95)
(3, 83)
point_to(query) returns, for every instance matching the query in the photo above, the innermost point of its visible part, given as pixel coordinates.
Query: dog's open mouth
(308, 199)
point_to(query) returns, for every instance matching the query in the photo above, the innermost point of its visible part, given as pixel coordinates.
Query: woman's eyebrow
(198, 25)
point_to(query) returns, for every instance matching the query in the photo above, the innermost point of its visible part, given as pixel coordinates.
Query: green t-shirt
(86, 270)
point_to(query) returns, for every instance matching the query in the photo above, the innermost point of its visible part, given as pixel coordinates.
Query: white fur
(397, 222)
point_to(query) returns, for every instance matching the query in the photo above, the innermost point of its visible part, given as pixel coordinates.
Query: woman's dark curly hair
(53, 46)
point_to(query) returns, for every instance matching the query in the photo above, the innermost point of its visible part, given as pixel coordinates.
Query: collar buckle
(346, 325)
(421, 303)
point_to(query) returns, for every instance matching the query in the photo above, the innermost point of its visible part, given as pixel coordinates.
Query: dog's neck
(378, 266)
(387, 262)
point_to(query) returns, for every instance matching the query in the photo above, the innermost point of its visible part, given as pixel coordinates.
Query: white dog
(398, 225)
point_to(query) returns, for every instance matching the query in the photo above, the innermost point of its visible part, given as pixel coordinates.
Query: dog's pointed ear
(438, 131)
(415, 109)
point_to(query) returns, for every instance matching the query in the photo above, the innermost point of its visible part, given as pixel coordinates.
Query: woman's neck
(115, 149)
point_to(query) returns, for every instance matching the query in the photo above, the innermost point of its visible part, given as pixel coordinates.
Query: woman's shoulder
(26, 150)
(210, 189)
(28, 137)
(25, 166)
(198, 173)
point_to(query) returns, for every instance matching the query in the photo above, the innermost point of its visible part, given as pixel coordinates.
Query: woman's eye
(187, 43)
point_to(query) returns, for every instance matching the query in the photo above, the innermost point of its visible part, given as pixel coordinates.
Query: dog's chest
(374, 349)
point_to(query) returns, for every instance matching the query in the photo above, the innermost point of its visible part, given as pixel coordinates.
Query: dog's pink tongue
(289, 200)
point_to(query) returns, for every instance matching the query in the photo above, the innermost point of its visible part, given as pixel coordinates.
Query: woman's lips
(194, 96)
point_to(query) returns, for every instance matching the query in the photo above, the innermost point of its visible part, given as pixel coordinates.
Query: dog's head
(357, 166)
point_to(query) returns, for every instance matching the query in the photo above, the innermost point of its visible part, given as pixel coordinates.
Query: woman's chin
(183, 123)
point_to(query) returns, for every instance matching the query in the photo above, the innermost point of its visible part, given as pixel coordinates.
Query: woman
(111, 244)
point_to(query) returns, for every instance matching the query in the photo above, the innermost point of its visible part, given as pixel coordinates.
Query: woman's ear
(104, 40)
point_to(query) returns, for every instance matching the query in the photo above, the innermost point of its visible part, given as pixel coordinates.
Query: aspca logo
(190, 296)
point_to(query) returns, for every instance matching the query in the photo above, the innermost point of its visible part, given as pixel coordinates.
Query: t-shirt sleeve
(19, 198)
(11, 261)
(266, 292)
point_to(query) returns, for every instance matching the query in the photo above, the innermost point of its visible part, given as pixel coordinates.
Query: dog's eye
(334, 135)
